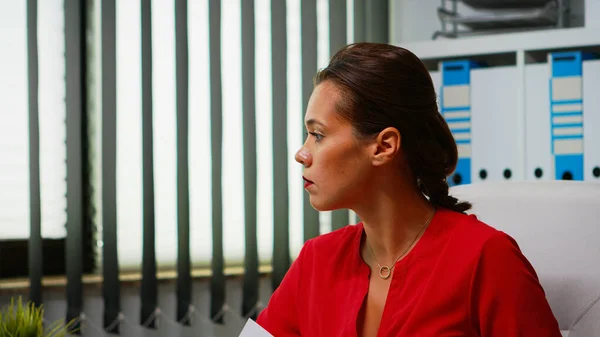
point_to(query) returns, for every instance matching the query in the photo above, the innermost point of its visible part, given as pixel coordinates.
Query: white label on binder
(464, 150)
(459, 125)
(457, 114)
(456, 96)
(462, 136)
(566, 108)
(252, 329)
(566, 88)
(575, 131)
(568, 146)
(567, 119)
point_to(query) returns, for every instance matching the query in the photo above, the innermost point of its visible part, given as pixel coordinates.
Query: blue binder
(456, 109)
(566, 113)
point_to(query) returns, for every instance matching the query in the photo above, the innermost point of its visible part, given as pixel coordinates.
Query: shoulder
(473, 238)
(468, 227)
(484, 253)
(503, 286)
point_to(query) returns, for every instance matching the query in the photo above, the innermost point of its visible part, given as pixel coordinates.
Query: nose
(303, 157)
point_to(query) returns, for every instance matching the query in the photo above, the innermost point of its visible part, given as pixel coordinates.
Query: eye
(317, 136)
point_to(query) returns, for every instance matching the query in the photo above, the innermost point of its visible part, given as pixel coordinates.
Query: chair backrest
(557, 226)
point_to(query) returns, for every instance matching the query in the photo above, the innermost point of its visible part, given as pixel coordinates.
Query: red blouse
(462, 278)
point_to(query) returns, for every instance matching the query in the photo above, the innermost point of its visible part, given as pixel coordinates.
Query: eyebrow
(313, 121)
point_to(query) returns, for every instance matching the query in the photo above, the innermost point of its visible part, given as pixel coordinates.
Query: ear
(387, 146)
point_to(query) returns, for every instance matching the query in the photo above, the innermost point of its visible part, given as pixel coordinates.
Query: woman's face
(336, 164)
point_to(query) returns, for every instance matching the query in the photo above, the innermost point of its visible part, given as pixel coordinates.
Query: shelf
(544, 17)
(551, 39)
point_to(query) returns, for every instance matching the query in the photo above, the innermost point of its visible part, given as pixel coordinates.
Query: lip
(307, 182)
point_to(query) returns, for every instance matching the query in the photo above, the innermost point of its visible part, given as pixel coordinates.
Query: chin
(324, 205)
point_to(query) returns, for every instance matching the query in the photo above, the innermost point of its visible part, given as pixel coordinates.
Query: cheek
(340, 174)
(345, 167)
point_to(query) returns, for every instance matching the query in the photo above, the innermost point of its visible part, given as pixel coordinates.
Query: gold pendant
(385, 272)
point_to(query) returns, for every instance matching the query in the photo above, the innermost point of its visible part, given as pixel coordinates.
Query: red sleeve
(280, 317)
(506, 296)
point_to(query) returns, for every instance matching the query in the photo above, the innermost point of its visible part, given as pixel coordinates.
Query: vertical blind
(129, 163)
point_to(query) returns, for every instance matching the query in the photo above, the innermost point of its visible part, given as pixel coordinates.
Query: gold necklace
(385, 271)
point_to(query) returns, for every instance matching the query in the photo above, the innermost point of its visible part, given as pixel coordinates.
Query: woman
(416, 265)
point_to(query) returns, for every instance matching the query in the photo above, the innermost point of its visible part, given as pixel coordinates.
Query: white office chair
(557, 226)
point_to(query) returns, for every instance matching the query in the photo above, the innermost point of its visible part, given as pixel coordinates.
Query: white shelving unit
(518, 52)
(553, 39)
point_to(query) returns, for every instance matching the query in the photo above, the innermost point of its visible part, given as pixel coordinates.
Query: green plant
(18, 320)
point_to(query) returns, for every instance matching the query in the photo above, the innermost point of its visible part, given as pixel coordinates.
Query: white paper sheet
(252, 329)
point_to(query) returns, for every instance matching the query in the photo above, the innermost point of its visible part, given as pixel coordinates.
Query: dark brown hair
(387, 86)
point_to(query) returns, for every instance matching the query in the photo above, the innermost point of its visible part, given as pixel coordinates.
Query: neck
(393, 215)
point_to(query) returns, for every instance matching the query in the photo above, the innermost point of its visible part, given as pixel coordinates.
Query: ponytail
(434, 161)
(437, 190)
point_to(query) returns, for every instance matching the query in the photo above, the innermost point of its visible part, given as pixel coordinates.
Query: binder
(566, 113)
(538, 154)
(455, 103)
(591, 120)
(496, 151)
